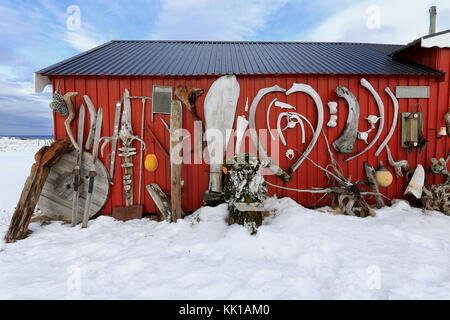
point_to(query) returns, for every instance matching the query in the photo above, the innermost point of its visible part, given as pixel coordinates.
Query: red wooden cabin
(104, 72)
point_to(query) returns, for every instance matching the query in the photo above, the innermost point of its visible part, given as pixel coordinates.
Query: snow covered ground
(298, 253)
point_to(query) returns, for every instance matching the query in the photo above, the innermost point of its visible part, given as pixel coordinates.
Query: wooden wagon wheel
(56, 197)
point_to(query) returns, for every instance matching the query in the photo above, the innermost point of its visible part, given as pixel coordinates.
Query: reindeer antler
(70, 117)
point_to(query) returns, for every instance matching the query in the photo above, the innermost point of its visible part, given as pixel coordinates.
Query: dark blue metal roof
(217, 58)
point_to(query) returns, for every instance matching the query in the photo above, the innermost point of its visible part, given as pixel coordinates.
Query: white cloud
(213, 20)
(401, 21)
(82, 40)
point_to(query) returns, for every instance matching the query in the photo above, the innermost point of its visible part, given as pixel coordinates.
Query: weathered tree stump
(45, 158)
(244, 191)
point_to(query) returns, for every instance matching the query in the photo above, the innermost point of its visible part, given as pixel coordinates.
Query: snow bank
(402, 253)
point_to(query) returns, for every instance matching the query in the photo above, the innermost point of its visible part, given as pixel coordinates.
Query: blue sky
(34, 34)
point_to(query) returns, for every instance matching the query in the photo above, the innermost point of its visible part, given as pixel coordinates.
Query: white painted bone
(241, 126)
(299, 87)
(380, 105)
(332, 105)
(284, 105)
(333, 121)
(393, 124)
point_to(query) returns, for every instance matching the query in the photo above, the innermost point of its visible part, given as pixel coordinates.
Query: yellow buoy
(151, 162)
(383, 176)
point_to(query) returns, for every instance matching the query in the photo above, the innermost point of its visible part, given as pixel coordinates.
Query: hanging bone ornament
(333, 121)
(275, 168)
(364, 135)
(398, 165)
(92, 121)
(380, 105)
(333, 105)
(372, 119)
(298, 87)
(70, 117)
(393, 124)
(344, 144)
(290, 154)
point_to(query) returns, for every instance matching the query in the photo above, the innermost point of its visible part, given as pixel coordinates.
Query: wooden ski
(76, 170)
(92, 172)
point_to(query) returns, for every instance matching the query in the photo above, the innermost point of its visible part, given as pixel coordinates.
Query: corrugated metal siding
(185, 58)
(105, 91)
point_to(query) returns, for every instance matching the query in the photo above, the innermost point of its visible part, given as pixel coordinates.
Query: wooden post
(176, 159)
(45, 158)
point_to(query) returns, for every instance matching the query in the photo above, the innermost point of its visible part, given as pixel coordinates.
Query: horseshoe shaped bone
(366, 84)
(291, 124)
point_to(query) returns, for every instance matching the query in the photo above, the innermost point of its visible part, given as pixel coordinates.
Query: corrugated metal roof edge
(58, 64)
(432, 73)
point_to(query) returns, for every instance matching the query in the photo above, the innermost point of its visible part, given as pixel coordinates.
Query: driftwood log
(45, 158)
(437, 197)
(370, 174)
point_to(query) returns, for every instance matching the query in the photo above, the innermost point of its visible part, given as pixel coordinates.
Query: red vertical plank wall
(105, 91)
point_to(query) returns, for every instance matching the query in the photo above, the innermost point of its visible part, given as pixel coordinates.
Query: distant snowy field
(298, 253)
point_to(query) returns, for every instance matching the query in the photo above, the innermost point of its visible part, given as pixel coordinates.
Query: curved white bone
(268, 117)
(333, 107)
(299, 87)
(275, 168)
(393, 125)
(380, 105)
(333, 121)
